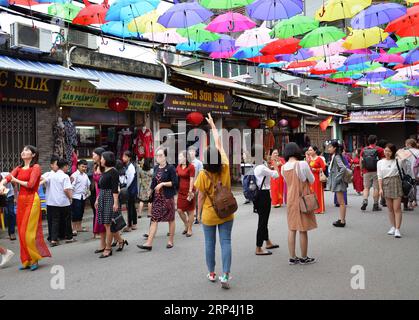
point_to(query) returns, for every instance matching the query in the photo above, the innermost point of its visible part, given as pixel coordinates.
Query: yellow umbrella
(380, 91)
(341, 9)
(364, 38)
(146, 23)
(412, 1)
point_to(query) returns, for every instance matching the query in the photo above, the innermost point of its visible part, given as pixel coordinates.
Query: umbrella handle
(104, 42)
(321, 14)
(123, 48)
(232, 24)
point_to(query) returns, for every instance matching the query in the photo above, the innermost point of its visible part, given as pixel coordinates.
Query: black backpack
(370, 159)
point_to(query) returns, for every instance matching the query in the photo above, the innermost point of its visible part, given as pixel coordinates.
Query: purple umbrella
(361, 58)
(359, 51)
(274, 9)
(413, 83)
(184, 15)
(225, 43)
(379, 74)
(412, 56)
(387, 43)
(301, 54)
(378, 14)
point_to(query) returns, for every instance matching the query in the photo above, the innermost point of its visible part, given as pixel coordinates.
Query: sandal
(169, 246)
(274, 246)
(106, 255)
(265, 253)
(12, 237)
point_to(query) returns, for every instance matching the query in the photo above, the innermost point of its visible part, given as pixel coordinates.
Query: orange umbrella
(281, 46)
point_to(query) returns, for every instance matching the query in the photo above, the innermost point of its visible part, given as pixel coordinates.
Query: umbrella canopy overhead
(407, 25)
(322, 36)
(184, 15)
(254, 37)
(281, 46)
(222, 55)
(190, 45)
(249, 52)
(274, 9)
(198, 33)
(341, 9)
(230, 22)
(224, 4)
(301, 54)
(66, 11)
(146, 23)
(412, 57)
(377, 15)
(92, 13)
(119, 29)
(126, 10)
(294, 26)
(364, 38)
(389, 58)
(387, 43)
(224, 44)
(405, 44)
(165, 37)
(328, 50)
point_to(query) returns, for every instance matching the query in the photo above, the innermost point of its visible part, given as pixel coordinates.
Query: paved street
(391, 265)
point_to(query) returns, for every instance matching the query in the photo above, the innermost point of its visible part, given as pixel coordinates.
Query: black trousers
(132, 211)
(263, 208)
(60, 219)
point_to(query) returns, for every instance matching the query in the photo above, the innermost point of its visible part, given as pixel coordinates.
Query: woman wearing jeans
(218, 170)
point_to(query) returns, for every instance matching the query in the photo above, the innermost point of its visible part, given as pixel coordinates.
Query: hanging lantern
(294, 123)
(253, 123)
(283, 123)
(195, 118)
(270, 123)
(118, 104)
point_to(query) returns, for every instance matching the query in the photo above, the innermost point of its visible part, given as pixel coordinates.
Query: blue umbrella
(126, 10)
(387, 43)
(378, 14)
(413, 83)
(119, 29)
(412, 56)
(376, 76)
(189, 46)
(271, 65)
(274, 9)
(248, 52)
(358, 58)
(399, 92)
(184, 15)
(301, 54)
(4, 3)
(225, 43)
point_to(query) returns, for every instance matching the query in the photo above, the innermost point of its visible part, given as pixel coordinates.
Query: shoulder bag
(308, 202)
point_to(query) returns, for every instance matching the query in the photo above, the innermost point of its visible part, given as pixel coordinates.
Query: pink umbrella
(331, 63)
(359, 51)
(166, 37)
(254, 37)
(222, 55)
(230, 22)
(329, 50)
(389, 58)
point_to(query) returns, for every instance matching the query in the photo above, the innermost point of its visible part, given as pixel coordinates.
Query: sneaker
(391, 231)
(225, 281)
(6, 257)
(397, 233)
(294, 261)
(307, 260)
(376, 207)
(212, 277)
(364, 205)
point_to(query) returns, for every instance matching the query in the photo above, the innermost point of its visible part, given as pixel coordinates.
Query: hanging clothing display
(143, 144)
(59, 138)
(268, 142)
(71, 140)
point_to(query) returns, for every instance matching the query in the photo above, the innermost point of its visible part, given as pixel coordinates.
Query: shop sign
(384, 115)
(243, 107)
(26, 90)
(85, 95)
(202, 100)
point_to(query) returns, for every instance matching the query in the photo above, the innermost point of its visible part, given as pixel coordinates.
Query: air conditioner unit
(81, 39)
(28, 38)
(293, 90)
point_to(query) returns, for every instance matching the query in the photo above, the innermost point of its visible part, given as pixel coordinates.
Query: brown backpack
(223, 201)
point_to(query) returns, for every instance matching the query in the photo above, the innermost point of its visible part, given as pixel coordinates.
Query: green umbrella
(294, 26)
(224, 4)
(198, 33)
(405, 44)
(322, 36)
(347, 74)
(66, 11)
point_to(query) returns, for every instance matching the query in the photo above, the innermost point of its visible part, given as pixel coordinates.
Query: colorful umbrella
(249, 52)
(66, 11)
(118, 29)
(264, 59)
(271, 65)
(294, 26)
(126, 10)
(379, 74)
(28, 3)
(322, 36)
(340, 9)
(225, 43)
(4, 3)
(198, 33)
(281, 46)
(364, 67)
(274, 9)
(146, 23)
(254, 37)
(387, 43)
(360, 39)
(412, 56)
(301, 54)
(407, 25)
(301, 64)
(190, 45)
(389, 58)
(405, 44)
(329, 66)
(184, 15)
(92, 13)
(169, 36)
(230, 22)
(224, 4)
(222, 55)
(328, 50)
(377, 15)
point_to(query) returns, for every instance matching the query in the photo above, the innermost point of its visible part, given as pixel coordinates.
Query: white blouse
(304, 172)
(387, 168)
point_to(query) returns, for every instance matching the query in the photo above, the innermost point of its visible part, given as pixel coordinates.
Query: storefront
(393, 124)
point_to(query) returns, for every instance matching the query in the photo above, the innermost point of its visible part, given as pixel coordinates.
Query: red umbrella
(92, 13)
(28, 3)
(301, 64)
(321, 72)
(407, 25)
(342, 80)
(281, 46)
(264, 59)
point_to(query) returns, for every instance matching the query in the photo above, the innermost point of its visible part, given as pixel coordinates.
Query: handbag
(408, 183)
(323, 177)
(347, 176)
(118, 223)
(308, 202)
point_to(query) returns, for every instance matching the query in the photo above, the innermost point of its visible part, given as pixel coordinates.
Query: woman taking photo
(163, 188)
(107, 204)
(29, 217)
(390, 187)
(335, 181)
(186, 195)
(317, 166)
(277, 184)
(216, 168)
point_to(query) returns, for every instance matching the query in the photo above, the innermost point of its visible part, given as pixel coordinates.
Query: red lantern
(118, 104)
(294, 123)
(253, 123)
(195, 118)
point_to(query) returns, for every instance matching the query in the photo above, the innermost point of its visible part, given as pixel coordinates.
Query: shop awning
(109, 81)
(275, 104)
(41, 69)
(217, 81)
(316, 110)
